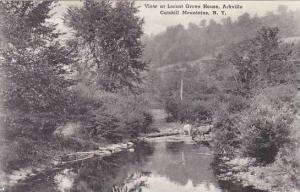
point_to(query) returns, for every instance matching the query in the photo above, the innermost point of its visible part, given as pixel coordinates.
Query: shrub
(264, 134)
(148, 120)
(200, 113)
(226, 133)
(267, 124)
(188, 110)
(119, 116)
(172, 108)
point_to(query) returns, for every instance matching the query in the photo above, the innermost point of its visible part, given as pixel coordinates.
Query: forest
(97, 88)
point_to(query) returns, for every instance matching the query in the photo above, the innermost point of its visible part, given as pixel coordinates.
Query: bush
(172, 108)
(188, 110)
(264, 133)
(200, 113)
(267, 124)
(119, 116)
(226, 133)
(148, 120)
(19, 153)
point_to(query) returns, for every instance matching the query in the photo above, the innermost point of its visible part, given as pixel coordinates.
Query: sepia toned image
(149, 96)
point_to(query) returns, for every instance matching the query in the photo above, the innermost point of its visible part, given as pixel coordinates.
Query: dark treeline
(178, 44)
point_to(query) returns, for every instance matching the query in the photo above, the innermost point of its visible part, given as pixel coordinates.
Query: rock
(225, 158)
(106, 153)
(130, 144)
(131, 150)
(117, 150)
(205, 129)
(55, 162)
(101, 149)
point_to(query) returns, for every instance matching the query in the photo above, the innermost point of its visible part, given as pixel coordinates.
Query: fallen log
(160, 134)
(77, 160)
(81, 153)
(59, 164)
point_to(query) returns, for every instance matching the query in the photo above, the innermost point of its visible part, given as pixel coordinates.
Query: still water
(172, 164)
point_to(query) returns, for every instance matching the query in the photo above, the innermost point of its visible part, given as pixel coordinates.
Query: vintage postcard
(149, 96)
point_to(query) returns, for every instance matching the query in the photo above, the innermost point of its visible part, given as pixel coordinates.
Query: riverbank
(171, 161)
(73, 150)
(59, 162)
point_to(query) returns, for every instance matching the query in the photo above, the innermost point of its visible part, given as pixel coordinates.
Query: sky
(156, 23)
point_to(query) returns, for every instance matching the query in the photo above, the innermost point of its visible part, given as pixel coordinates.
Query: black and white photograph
(149, 96)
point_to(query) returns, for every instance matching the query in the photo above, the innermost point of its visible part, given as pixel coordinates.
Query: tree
(260, 62)
(227, 22)
(110, 37)
(32, 61)
(203, 23)
(282, 9)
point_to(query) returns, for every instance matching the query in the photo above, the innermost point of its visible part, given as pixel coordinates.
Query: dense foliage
(32, 59)
(107, 46)
(52, 99)
(34, 91)
(108, 39)
(264, 124)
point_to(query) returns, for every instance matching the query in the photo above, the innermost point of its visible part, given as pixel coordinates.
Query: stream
(167, 164)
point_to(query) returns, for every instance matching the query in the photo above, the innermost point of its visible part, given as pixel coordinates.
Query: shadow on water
(159, 166)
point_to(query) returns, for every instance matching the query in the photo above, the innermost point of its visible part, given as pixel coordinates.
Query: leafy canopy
(109, 36)
(33, 60)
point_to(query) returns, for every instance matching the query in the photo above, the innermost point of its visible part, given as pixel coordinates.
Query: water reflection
(159, 183)
(105, 175)
(160, 166)
(173, 166)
